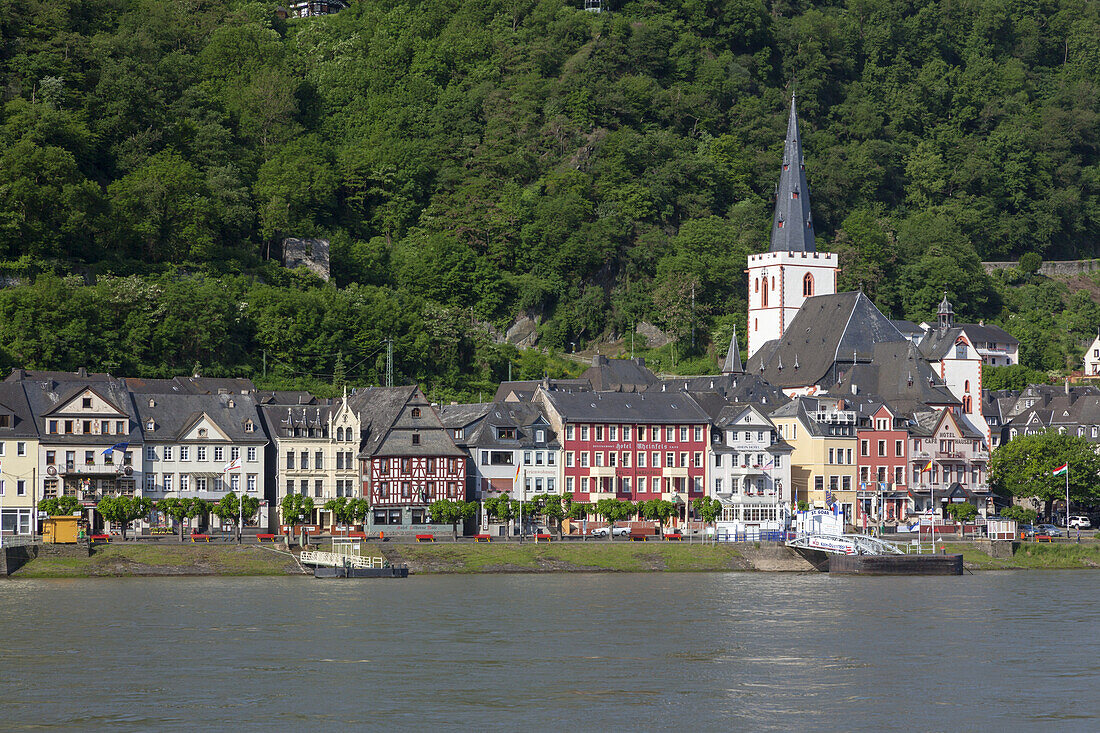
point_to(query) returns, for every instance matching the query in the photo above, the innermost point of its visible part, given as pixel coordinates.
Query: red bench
(262, 537)
(200, 538)
(673, 537)
(1043, 538)
(425, 538)
(639, 536)
(482, 538)
(100, 538)
(543, 536)
(357, 535)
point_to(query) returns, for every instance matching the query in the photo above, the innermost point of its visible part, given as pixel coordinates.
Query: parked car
(1026, 530)
(1048, 529)
(616, 532)
(1080, 522)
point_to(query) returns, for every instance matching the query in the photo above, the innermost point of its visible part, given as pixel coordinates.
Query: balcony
(94, 469)
(919, 454)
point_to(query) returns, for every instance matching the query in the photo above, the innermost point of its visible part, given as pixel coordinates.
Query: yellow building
(823, 463)
(18, 462)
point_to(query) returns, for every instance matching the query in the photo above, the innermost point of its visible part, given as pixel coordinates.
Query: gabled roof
(46, 394)
(308, 420)
(898, 374)
(928, 424)
(524, 417)
(388, 423)
(827, 330)
(792, 225)
(174, 414)
(938, 343)
(732, 364)
(981, 332)
(619, 375)
(288, 397)
(524, 391)
(462, 416)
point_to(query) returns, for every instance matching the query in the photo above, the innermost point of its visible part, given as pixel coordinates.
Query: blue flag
(117, 446)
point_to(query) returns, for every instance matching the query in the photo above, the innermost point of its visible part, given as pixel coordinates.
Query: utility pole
(693, 316)
(509, 370)
(389, 362)
(633, 328)
(265, 362)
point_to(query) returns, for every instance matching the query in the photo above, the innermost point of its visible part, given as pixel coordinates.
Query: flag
(516, 479)
(117, 446)
(927, 467)
(234, 465)
(769, 464)
(1064, 468)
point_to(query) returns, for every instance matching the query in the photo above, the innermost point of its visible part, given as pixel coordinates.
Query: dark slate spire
(946, 313)
(792, 227)
(733, 357)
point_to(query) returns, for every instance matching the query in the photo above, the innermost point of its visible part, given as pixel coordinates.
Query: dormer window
(150, 425)
(540, 436)
(248, 426)
(152, 403)
(5, 421)
(416, 412)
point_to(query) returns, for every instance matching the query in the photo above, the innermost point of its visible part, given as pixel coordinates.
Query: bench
(1043, 538)
(673, 537)
(482, 538)
(425, 538)
(100, 538)
(543, 536)
(262, 537)
(357, 535)
(639, 536)
(200, 538)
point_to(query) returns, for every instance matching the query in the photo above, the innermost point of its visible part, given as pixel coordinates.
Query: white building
(1092, 358)
(750, 472)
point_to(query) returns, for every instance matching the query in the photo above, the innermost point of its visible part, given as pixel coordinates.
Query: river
(731, 651)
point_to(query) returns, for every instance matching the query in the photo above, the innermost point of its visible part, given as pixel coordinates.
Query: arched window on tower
(966, 403)
(764, 296)
(773, 282)
(966, 386)
(807, 285)
(756, 324)
(756, 287)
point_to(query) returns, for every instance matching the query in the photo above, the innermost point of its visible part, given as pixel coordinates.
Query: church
(807, 339)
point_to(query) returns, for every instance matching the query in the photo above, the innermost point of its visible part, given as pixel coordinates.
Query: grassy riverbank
(566, 557)
(1032, 556)
(133, 559)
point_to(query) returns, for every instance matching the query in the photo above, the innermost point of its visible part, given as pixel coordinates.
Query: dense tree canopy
(470, 161)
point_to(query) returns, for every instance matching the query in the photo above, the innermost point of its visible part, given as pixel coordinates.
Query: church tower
(792, 269)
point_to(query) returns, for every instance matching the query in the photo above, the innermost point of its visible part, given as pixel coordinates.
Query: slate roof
(13, 402)
(980, 332)
(908, 329)
(626, 407)
(462, 416)
(283, 420)
(525, 417)
(36, 375)
(289, 397)
(190, 385)
(827, 331)
(732, 364)
(924, 424)
(388, 424)
(173, 414)
(46, 394)
(792, 225)
(938, 342)
(525, 390)
(619, 375)
(750, 388)
(897, 374)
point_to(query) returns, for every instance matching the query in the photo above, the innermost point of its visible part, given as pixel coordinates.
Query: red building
(407, 459)
(630, 446)
(882, 491)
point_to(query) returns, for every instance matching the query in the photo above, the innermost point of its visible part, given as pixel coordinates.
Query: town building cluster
(836, 406)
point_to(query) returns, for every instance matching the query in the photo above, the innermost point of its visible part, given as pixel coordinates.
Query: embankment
(147, 559)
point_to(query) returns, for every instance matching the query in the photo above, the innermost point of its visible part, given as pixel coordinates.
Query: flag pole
(1067, 498)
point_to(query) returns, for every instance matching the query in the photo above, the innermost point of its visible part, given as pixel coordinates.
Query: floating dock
(322, 571)
(896, 564)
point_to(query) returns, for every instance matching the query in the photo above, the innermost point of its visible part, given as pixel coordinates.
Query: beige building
(823, 462)
(18, 462)
(316, 447)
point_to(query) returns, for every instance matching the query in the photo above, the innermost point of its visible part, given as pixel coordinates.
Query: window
(506, 433)
(831, 456)
(599, 432)
(249, 426)
(898, 447)
(550, 484)
(960, 350)
(683, 460)
(641, 459)
(864, 448)
(882, 448)
(626, 432)
(200, 453)
(611, 458)
(150, 453)
(626, 460)
(697, 459)
(185, 482)
(584, 432)
(319, 460)
(819, 483)
(416, 412)
(86, 427)
(252, 453)
(290, 460)
(670, 459)
(569, 459)
(656, 459)
(540, 436)
(599, 458)
(89, 457)
(569, 484)
(20, 488)
(250, 483)
(219, 453)
(641, 484)
(698, 433)
(53, 427)
(527, 458)
(185, 453)
(683, 434)
(551, 458)
(569, 432)
(167, 481)
(168, 452)
(68, 427)
(613, 432)
(51, 457)
(200, 483)
(120, 427)
(339, 461)
(807, 285)
(584, 483)
(318, 488)
(20, 449)
(584, 459)
(86, 403)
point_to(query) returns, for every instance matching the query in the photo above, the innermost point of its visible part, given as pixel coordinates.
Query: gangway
(345, 554)
(845, 544)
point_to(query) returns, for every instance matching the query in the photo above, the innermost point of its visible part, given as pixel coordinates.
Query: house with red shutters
(407, 458)
(634, 446)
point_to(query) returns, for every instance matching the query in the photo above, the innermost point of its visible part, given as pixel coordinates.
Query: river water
(732, 651)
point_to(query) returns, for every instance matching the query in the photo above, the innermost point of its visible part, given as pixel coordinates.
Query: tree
(124, 509)
(1024, 467)
(613, 510)
(237, 511)
(59, 506)
(552, 509)
(346, 510)
(658, 510)
(297, 508)
(447, 511)
(1021, 514)
(708, 509)
(961, 513)
(1015, 377)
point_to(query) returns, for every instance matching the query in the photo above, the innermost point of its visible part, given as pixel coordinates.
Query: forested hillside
(474, 160)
